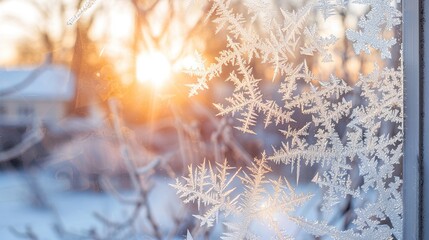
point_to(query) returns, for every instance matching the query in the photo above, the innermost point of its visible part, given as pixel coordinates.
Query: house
(35, 94)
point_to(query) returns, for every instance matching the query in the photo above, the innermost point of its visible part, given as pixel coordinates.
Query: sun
(153, 68)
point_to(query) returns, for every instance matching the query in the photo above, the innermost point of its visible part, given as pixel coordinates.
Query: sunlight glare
(192, 63)
(153, 68)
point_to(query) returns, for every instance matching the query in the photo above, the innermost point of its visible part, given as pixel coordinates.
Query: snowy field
(75, 211)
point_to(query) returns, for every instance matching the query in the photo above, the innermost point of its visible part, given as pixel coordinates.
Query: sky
(20, 21)
(10, 30)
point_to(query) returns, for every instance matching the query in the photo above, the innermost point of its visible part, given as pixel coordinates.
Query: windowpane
(335, 96)
(214, 119)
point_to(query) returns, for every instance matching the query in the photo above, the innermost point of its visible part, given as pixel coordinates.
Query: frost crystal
(211, 188)
(330, 7)
(350, 130)
(86, 5)
(382, 16)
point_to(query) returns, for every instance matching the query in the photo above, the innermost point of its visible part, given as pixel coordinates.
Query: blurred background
(75, 100)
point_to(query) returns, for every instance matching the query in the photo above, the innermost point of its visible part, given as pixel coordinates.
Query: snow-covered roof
(48, 82)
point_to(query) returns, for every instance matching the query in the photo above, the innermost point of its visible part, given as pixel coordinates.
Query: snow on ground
(75, 209)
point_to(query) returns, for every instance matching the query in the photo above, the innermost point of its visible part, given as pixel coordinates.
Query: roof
(47, 82)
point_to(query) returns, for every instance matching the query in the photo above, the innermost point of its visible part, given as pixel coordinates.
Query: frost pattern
(365, 146)
(261, 200)
(330, 7)
(382, 16)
